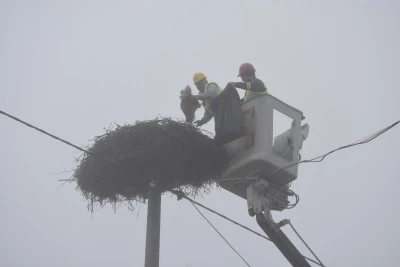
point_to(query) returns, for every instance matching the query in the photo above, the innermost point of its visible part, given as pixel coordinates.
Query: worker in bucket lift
(253, 86)
(208, 91)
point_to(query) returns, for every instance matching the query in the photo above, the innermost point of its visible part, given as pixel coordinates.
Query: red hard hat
(246, 68)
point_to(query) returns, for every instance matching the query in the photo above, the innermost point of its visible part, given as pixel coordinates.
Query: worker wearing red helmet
(253, 86)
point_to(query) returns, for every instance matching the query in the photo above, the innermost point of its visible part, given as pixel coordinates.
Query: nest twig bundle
(126, 159)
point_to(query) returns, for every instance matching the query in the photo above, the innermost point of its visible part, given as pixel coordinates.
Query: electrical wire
(46, 133)
(304, 242)
(219, 233)
(322, 157)
(297, 199)
(181, 195)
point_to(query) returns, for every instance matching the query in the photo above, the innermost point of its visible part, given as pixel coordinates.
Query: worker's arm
(255, 86)
(211, 93)
(206, 118)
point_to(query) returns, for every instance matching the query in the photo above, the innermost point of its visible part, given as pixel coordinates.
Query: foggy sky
(73, 67)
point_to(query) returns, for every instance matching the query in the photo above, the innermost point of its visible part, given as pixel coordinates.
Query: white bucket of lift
(258, 153)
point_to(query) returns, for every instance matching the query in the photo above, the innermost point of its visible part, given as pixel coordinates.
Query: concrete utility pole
(152, 257)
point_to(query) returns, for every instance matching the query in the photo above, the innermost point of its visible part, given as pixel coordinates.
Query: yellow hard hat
(198, 76)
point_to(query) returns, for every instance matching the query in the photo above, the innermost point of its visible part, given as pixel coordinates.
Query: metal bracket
(261, 198)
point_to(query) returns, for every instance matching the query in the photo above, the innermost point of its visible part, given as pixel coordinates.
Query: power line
(360, 142)
(221, 235)
(304, 242)
(49, 134)
(181, 195)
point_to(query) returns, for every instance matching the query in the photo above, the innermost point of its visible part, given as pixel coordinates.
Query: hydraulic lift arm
(262, 197)
(282, 243)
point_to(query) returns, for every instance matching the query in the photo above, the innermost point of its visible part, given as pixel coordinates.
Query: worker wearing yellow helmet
(207, 93)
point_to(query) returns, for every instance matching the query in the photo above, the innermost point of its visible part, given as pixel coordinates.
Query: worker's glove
(199, 123)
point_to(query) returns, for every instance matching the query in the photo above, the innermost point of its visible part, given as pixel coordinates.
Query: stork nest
(124, 161)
